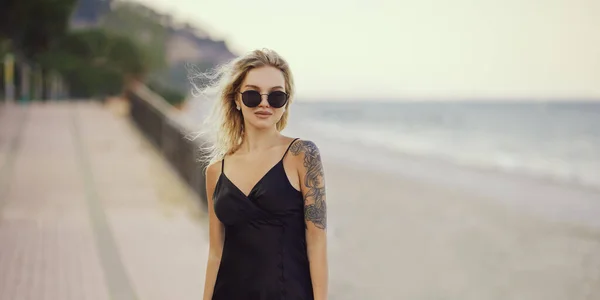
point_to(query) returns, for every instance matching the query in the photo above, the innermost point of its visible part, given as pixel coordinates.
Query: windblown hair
(222, 131)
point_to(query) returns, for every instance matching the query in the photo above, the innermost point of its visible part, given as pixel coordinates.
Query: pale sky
(420, 48)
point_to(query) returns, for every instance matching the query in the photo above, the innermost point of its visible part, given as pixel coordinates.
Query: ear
(238, 103)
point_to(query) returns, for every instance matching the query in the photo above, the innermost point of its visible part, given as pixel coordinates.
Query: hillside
(170, 45)
(89, 12)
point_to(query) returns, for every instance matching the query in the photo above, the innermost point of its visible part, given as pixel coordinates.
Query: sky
(420, 49)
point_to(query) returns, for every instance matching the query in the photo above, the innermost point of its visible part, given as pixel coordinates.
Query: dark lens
(277, 99)
(251, 98)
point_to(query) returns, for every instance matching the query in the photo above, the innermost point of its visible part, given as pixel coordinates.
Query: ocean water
(549, 140)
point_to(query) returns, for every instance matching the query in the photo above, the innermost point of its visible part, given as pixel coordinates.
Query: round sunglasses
(276, 99)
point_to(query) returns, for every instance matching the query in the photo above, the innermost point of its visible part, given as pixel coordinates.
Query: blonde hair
(222, 130)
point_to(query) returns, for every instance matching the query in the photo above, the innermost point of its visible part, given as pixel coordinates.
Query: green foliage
(95, 62)
(173, 96)
(34, 26)
(143, 26)
(131, 43)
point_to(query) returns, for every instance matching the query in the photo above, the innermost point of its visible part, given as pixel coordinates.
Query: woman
(265, 191)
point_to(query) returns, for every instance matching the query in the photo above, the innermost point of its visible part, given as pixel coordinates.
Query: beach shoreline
(409, 227)
(394, 238)
(548, 197)
(554, 142)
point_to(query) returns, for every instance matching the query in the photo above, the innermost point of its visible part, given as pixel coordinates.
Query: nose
(264, 102)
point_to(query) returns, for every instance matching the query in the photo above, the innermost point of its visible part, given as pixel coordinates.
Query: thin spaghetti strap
(288, 148)
(222, 165)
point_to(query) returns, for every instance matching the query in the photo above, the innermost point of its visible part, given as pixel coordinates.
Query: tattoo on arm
(315, 209)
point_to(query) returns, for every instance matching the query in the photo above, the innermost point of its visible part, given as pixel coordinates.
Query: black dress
(264, 253)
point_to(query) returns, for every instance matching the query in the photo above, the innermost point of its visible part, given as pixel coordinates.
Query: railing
(156, 119)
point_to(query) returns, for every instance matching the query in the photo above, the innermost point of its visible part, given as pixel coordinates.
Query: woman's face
(264, 80)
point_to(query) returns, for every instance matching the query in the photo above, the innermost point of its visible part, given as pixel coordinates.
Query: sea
(557, 140)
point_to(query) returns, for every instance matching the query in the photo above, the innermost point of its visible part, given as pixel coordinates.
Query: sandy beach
(395, 238)
(403, 227)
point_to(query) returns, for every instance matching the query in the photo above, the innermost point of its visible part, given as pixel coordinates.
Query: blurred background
(461, 143)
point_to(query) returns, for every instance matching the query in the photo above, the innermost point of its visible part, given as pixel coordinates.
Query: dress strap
(222, 165)
(288, 148)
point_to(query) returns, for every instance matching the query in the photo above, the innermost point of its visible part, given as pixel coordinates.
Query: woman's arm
(312, 184)
(216, 233)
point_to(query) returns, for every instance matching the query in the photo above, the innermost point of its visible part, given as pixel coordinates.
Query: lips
(263, 113)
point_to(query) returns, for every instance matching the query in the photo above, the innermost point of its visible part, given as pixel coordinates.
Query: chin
(263, 123)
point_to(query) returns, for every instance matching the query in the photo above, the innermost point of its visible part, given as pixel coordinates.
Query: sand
(397, 237)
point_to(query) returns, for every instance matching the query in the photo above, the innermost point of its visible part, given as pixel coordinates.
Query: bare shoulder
(213, 170)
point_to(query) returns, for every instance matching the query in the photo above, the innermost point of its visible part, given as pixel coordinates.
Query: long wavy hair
(222, 130)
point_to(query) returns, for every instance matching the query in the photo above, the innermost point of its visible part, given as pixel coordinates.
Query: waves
(560, 161)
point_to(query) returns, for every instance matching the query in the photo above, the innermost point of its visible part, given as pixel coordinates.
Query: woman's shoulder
(213, 168)
(301, 147)
(306, 157)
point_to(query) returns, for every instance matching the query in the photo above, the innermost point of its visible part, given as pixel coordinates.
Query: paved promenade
(89, 210)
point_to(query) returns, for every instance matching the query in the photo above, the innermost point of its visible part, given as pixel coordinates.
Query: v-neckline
(255, 185)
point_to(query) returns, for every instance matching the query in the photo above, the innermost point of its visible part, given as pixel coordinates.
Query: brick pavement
(88, 210)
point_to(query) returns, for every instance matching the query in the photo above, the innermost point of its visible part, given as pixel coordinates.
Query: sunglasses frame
(287, 97)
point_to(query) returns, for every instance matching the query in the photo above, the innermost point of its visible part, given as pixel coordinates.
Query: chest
(272, 196)
(247, 173)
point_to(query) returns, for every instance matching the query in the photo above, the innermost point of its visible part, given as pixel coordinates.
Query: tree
(33, 26)
(95, 62)
(143, 26)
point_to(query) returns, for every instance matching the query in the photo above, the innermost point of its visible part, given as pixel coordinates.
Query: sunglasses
(276, 99)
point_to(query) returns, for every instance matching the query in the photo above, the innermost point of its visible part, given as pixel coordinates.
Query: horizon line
(482, 99)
